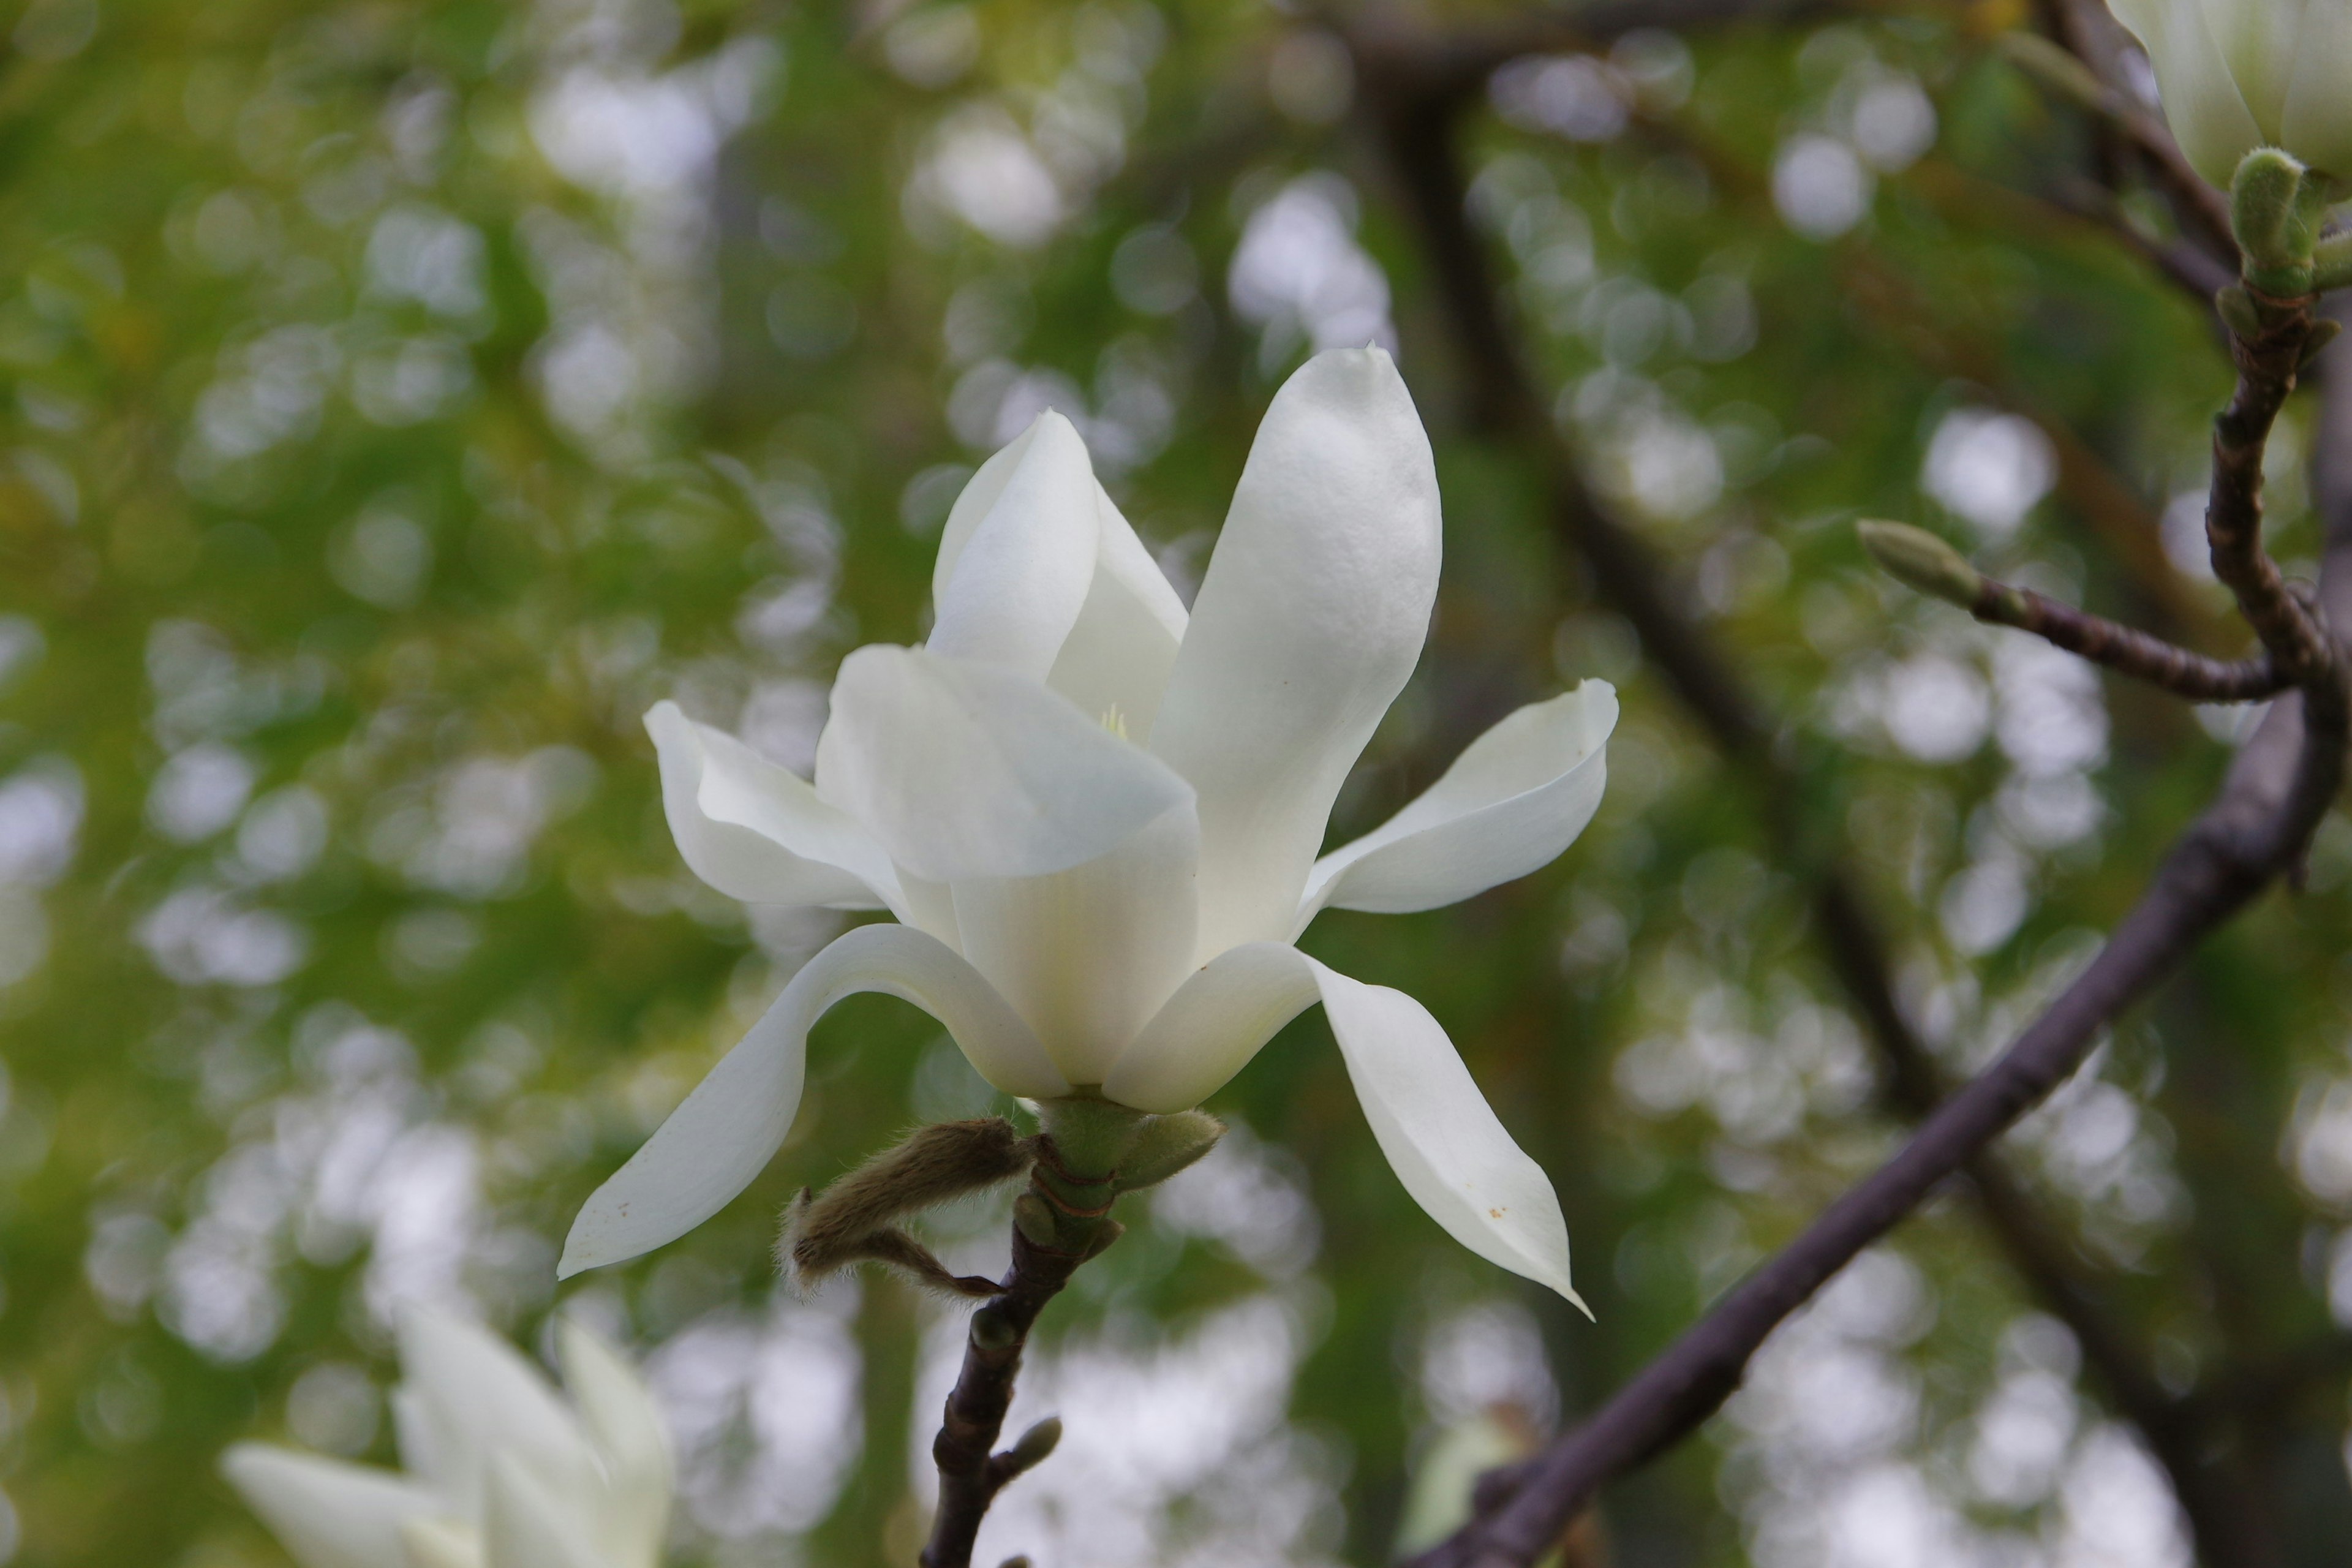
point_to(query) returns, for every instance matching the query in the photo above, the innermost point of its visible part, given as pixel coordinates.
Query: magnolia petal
(327, 1514)
(524, 1527)
(964, 770)
(1441, 1136)
(1086, 955)
(726, 1132)
(1511, 802)
(481, 1398)
(618, 1411)
(2316, 124)
(1012, 585)
(2257, 41)
(2207, 114)
(438, 1543)
(1116, 661)
(1209, 1029)
(758, 832)
(1307, 626)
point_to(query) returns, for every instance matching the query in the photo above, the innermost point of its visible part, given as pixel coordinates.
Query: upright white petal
(1440, 1136)
(731, 1125)
(1086, 955)
(327, 1514)
(482, 1399)
(1010, 582)
(1511, 802)
(2316, 124)
(524, 1527)
(757, 832)
(965, 770)
(1116, 661)
(2208, 115)
(1307, 626)
(617, 1411)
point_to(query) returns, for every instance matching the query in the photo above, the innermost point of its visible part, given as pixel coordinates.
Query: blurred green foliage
(400, 397)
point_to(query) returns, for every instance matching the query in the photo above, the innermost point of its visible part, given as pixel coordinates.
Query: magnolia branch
(2255, 830)
(1419, 141)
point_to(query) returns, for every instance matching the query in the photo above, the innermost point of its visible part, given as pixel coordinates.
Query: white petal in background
(1511, 802)
(965, 770)
(1308, 624)
(1118, 656)
(479, 1398)
(524, 1527)
(1441, 1137)
(757, 832)
(726, 1132)
(326, 1513)
(1086, 955)
(617, 1411)
(1012, 587)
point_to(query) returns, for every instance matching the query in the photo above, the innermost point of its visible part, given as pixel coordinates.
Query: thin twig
(1928, 564)
(2128, 650)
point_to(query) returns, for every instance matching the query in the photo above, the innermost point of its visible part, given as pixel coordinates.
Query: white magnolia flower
(500, 1472)
(2241, 74)
(1097, 817)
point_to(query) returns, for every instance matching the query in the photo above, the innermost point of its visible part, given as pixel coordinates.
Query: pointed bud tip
(1921, 562)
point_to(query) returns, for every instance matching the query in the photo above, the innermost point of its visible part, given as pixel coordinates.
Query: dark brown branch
(1419, 141)
(2234, 851)
(971, 1471)
(2283, 783)
(2267, 366)
(2231, 853)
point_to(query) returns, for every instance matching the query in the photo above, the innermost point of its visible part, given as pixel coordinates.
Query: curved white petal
(1116, 660)
(440, 1543)
(618, 1411)
(1511, 802)
(731, 1126)
(1307, 626)
(1086, 955)
(1008, 581)
(756, 831)
(1440, 1136)
(2208, 115)
(481, 1398)
(1209, 1029)
(524, 1527)
(327, 1514)
(965, 770)
(2316, 124)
